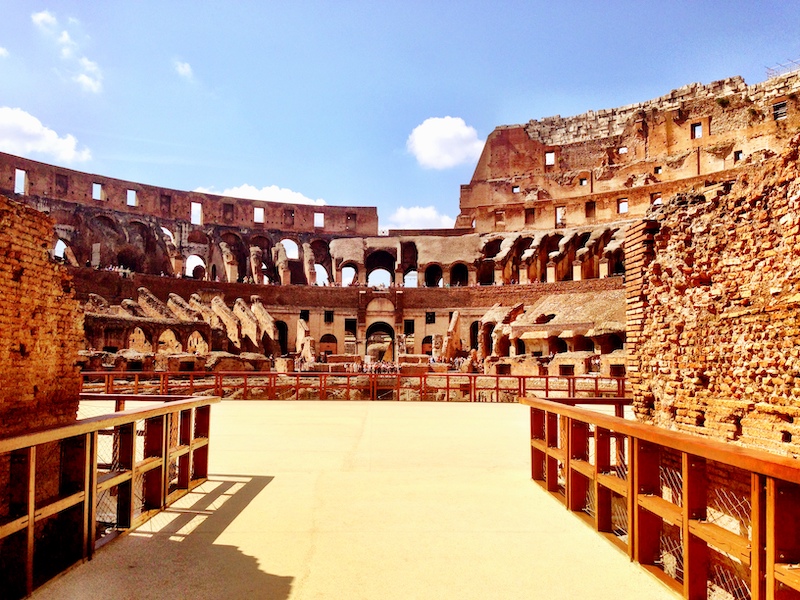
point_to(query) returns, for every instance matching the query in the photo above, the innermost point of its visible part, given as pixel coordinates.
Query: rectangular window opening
(62, 184)
(258, 214)
(197, 213)
(530, 216)
(622, 150)
(561, 216)
(430, 318)
(622, 206)
(329, 316)
(591, 210)
(779, 111)
(657, 170)
(515, 189)
(697, 131)
(408, 326)
(20, 182)
(131, 199)
(97, 191)
(499, 216)
(583, 181)
(304, 314)
(549, 158)
(350, 326)
(738, 155)
(319, 220)
(655, 199)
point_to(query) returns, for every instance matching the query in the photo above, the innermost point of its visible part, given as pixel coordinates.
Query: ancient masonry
(41, 325)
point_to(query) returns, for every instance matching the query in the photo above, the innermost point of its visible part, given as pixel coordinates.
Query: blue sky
(374, 103)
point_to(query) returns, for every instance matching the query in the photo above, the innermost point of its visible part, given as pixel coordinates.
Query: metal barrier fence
(442, 387)
(70, 489)
(709, 519)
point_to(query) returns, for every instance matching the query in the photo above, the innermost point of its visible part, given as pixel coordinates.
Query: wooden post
(758, 491)
(647, 526)
(695, 550)
(602, 495)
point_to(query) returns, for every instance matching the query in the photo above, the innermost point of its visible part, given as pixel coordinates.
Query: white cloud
(272, 193)
(3, 52)
(444, 142)
(23, 134)
(419, 217)
(85, 72)
(44, 20)
(184, 69)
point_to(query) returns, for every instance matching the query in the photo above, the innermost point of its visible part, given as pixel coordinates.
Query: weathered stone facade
(41, 326)
(716, 320)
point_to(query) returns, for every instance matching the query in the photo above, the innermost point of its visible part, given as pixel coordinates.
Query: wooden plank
(664, 509)
(583, 467)
(788, 574)
(59, 505)
(108, 480)
(12, 527)
(613, 483)
(558, 454)
(693, 506)
(758, 490)
(722, 539)
(540, 445)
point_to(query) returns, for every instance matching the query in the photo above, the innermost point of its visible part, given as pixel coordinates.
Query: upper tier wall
(49, 181)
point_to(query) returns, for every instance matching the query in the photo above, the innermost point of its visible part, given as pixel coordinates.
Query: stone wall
(718, 353)
(41, 328)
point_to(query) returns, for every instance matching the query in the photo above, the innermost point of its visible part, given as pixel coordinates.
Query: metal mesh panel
(728, 579)
(590, 508)
(671, 481)
(619, 516)
(670, 543)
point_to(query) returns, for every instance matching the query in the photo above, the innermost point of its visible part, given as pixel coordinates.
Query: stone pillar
(577, 270)
(603, 273)
(551, 272)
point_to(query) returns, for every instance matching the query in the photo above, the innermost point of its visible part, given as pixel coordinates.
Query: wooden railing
(70, 489)
(700, 514)
(443, 387)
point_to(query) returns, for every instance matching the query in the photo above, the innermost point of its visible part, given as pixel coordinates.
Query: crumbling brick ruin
(41, 326)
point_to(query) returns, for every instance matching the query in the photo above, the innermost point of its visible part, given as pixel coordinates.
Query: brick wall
(718, 353)
(41, 326)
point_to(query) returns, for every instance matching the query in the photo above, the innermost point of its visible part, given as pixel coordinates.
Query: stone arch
(323, 262)
(434, 276)
(474, 330)
(379, 277)
(411, 278)
(379, 259)
(349, 271)
(196, 267)
(556, 345)
(197, 236)
(292, 248)
(197, 343)
(139, 340)
(169, 343)
(380, 341)
(427, 345)
(459, 275)
(240, 255)
(283, 337)
(328, 344)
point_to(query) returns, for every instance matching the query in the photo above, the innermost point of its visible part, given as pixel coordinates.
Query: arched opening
(488, 342)
(138, 341)
(322, 274)
(168, 235)
(380, 260)
(582, 344)
(380, 341)
(408, 256)
(556, 345)
(168, 343)
(473, 335)
(197, 237)
(410, 279)
(427, 345)
(283, 337)
(379, 278)
(349, 275)
(503, 346)
(486, 272)
(196, 267)
(214, 273)
(615, 342)
(433, 276)
(459, 275)
(291, 247)
(519, 347)
(59, 250)
(235, 256)
(197, 343)
(131, 258)
(328, 344)
(491, 248)
(617, 262)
